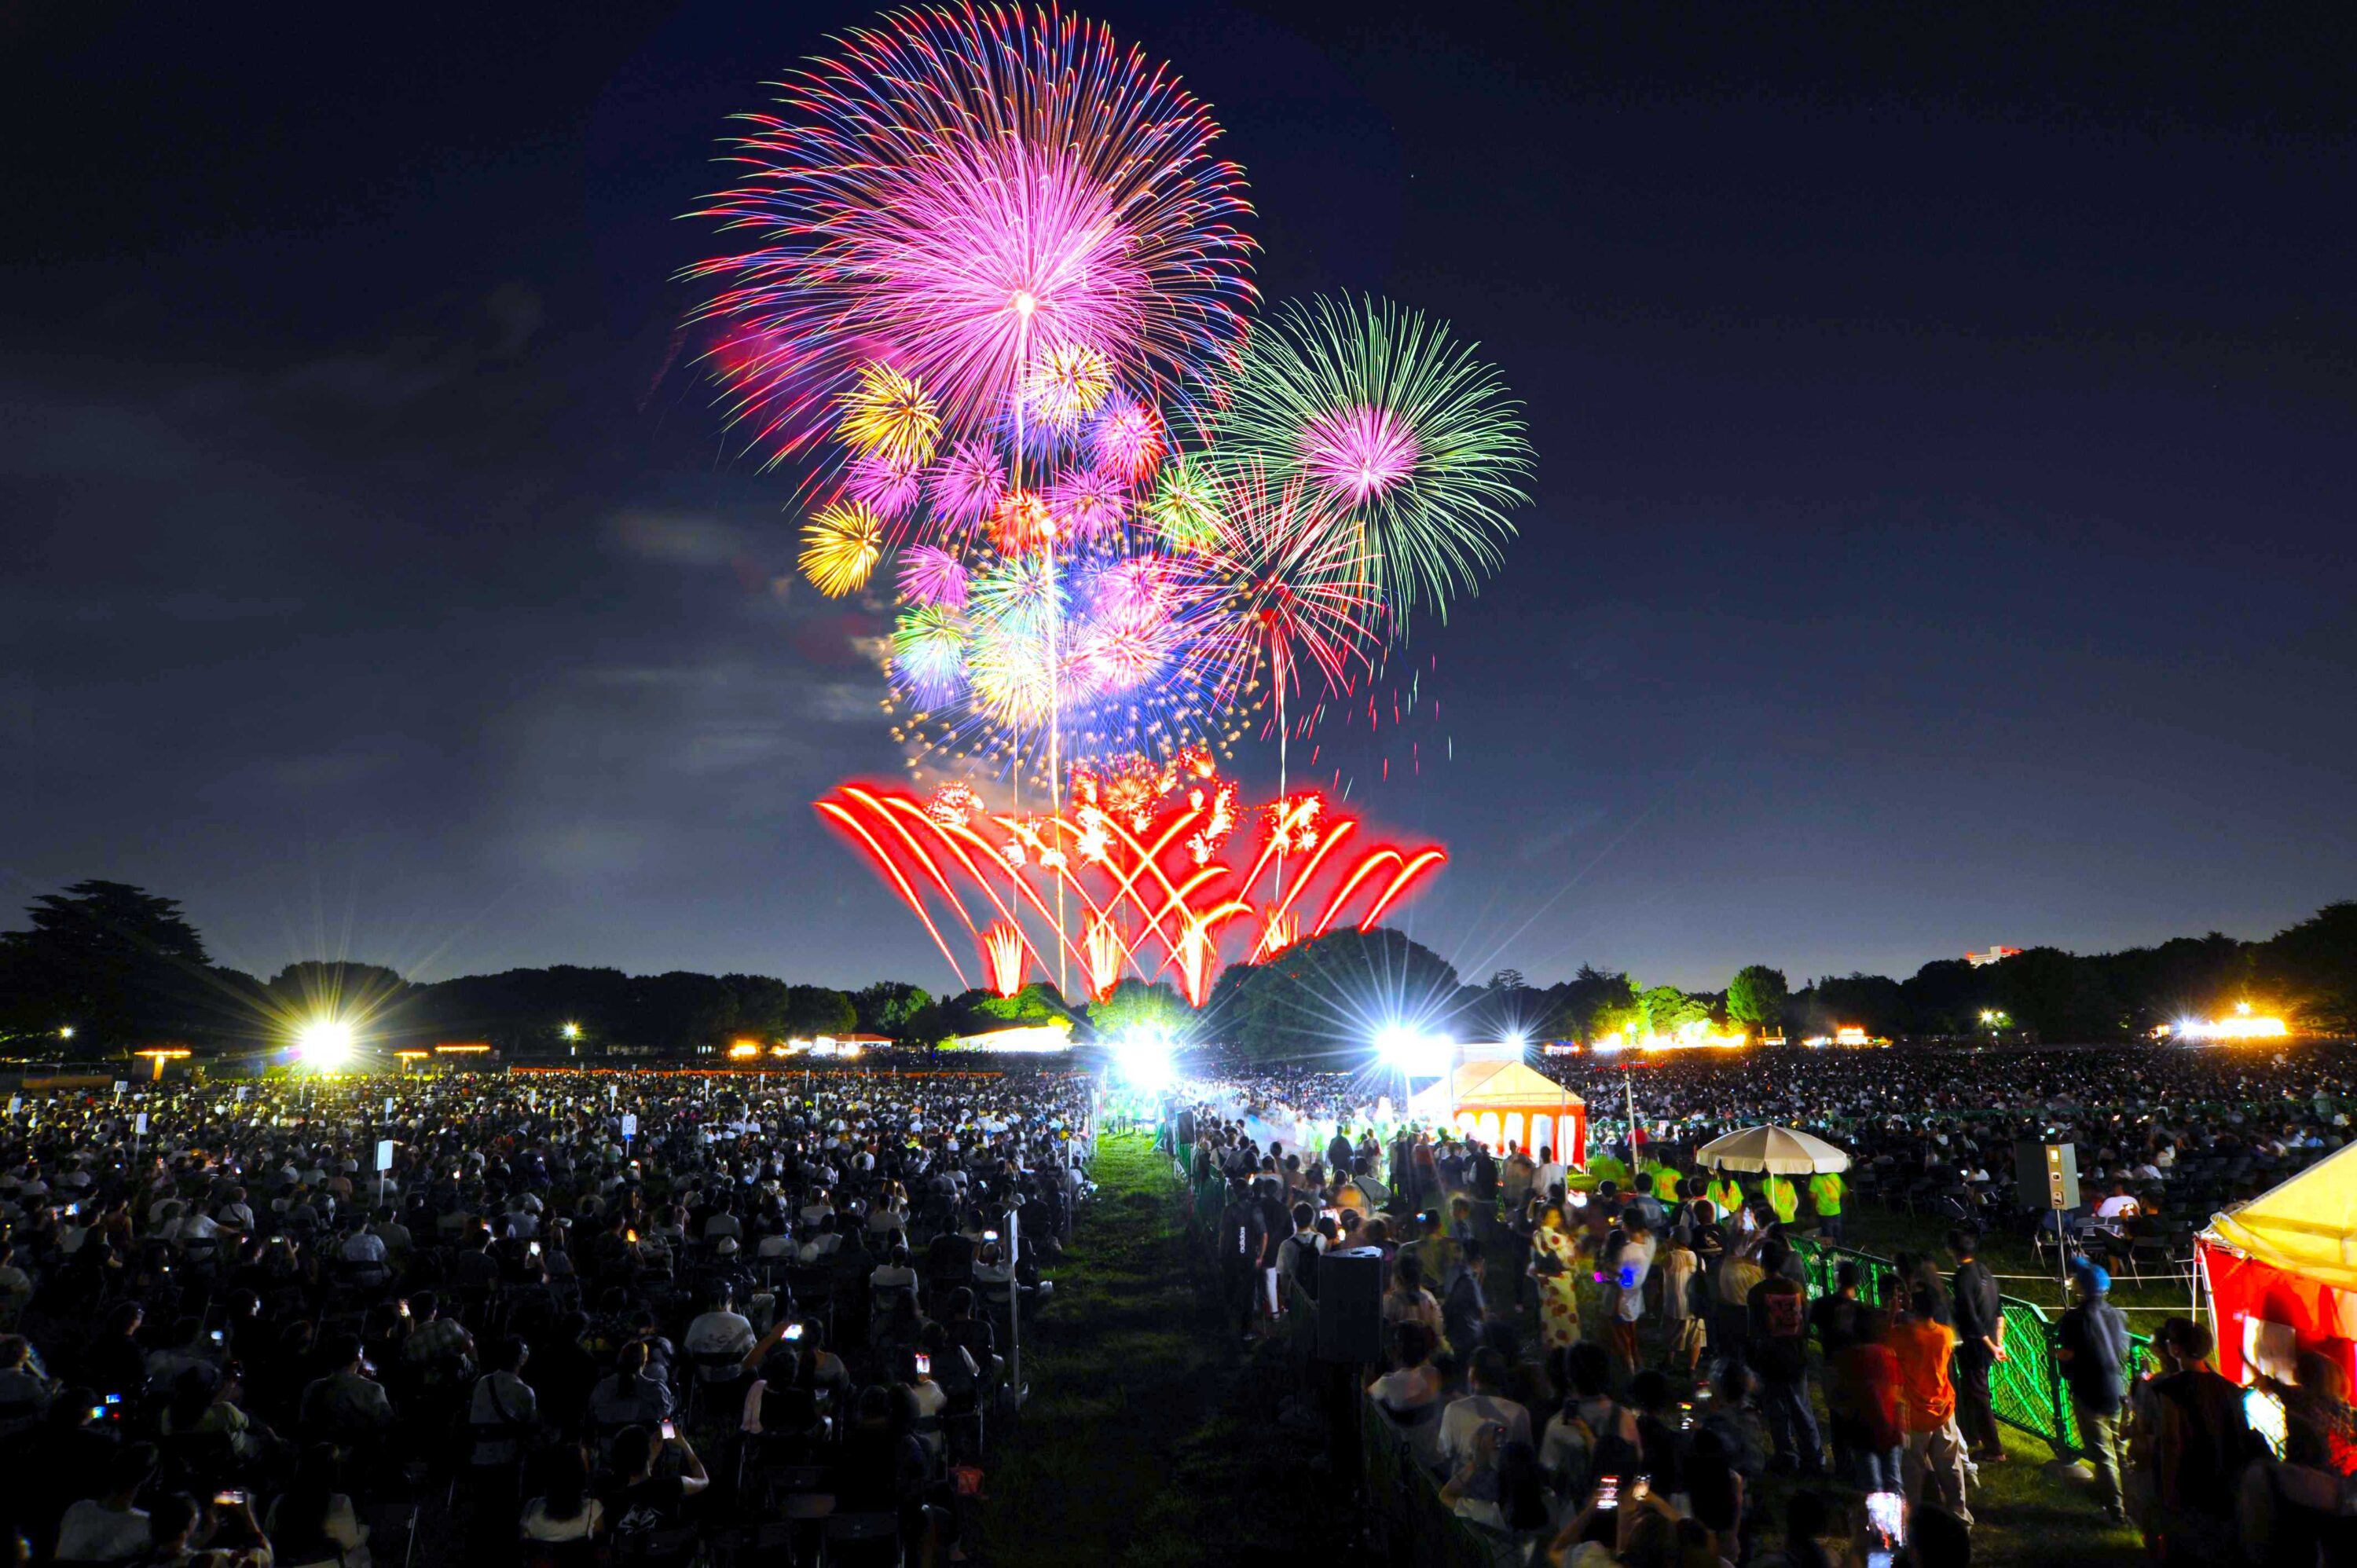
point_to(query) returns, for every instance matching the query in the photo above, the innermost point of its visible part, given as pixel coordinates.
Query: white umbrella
(1780, 1151)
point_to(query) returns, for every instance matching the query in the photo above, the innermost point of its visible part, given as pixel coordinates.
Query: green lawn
(1147, 1439)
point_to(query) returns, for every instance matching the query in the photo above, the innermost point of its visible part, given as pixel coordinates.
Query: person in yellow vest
(1665, 1184)
(1826, 1190)
(1727, 1193)
(1782, 1197)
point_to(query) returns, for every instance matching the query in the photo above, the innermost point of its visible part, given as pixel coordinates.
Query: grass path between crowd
(1149, 1440)
(1145, 1440)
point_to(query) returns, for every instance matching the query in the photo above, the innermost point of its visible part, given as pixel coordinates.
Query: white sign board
(629, 1124)
(383, 1154)
(388, 1106)
(142, 1128)
(119, 1087)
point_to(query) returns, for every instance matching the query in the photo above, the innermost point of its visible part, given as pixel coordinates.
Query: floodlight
(1145, 1061)
(324, 1042)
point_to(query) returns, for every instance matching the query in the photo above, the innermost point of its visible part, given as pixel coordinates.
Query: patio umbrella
(1779, 1150)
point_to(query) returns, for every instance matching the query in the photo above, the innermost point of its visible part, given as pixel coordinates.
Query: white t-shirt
(93, 1533)
(538, 1526)
(1467, 1416)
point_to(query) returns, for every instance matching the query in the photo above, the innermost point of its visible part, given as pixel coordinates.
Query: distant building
(1982, 959)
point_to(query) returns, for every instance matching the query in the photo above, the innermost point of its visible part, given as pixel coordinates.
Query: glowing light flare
(2242, 1025)
(1145, 1060)
(325, 1043)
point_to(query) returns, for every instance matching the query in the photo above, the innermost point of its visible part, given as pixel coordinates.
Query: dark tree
(1326, 1000)
(1756, 997)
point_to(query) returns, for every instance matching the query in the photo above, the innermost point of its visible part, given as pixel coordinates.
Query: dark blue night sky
(1943, 522)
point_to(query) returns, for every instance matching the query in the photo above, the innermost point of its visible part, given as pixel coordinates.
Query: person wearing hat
(2092, 1343)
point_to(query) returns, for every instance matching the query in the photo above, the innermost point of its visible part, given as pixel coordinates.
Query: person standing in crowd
(1979, 1321)
(1923, 1347)
(1555, 1264)
(1244, 1243)
(2092, 1343)
(1826, 1191)
(1777, 1311)
(2199, 1447)
(1629, 1267)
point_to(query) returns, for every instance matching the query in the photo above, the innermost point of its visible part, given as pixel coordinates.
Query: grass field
(1151, 1438)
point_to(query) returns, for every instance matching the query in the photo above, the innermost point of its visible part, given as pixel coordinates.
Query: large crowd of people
(576, 1315)
(1624, 1364)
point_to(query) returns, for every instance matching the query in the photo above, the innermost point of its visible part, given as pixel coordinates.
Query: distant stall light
(412, 1053)
(743, 1049)
(2243, 1025)
(165, 1053)
(462, 1049)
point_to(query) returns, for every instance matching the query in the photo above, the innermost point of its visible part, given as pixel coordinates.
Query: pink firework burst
(967, 484)
(1358, 453)
(980, 190)
(1120, 653)
(886, 486)
(1089, 502)
(1137, 586)
(933, 577)
(1128, 438)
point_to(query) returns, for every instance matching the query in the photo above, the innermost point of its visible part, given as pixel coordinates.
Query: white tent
(1780, 1151)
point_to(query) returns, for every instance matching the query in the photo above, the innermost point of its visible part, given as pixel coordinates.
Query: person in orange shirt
(1927, 1406)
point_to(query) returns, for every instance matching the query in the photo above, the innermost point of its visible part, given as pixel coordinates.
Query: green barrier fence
(2025, 1388)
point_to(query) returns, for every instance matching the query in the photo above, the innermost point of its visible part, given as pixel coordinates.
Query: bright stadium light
(572, 1031)
(1410, 1051)
(1146, 1061)
(324, 1042)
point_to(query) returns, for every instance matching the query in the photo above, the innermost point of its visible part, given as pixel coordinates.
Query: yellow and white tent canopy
(1780, 1151)
(2305, 1227)
(1489, 1086)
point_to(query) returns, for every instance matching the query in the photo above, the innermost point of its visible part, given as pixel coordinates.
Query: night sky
(1942, 531)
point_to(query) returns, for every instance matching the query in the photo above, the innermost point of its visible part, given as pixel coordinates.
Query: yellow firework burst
(840, 544)
(1068, 382)
(889, 415)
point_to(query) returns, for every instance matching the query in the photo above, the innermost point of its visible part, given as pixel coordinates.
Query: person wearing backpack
(2199, 1453)
(2092, 1343)
(1242, 1240)
(1297, 1255)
